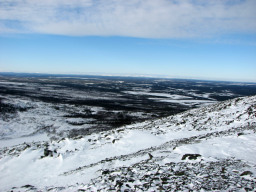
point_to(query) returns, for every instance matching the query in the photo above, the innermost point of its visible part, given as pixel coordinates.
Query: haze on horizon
(186, 39)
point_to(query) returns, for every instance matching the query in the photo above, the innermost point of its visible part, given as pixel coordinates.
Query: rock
(246, 173)
(190, 156)
(105, 172)
(81, 190)
(150, 156)
(179, 173)
(27, 186)
(48, 152)
(164, 178)
(119, 183)
(120, 130)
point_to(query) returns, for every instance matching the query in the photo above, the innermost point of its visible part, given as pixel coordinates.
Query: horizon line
(160, 76)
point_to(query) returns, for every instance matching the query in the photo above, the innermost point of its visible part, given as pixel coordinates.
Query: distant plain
(73, 105)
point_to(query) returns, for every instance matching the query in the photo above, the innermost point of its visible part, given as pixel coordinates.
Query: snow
(95, 110)
(224, 147)
(20, 140)
(173, 96)
(223, 134)
(12, 83)
(186, 102)
(22, 168)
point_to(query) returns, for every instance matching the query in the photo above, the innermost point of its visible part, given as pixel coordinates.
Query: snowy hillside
(205, 149)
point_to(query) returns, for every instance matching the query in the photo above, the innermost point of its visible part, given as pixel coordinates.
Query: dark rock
(48, 152)
(27, 186)
(120, 130)
(105, 172)
(190, 156)
(164, 178)
(179, 173)
(119, 183)
(246, 173)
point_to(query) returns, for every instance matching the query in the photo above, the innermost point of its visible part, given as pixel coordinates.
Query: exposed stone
(190, 156)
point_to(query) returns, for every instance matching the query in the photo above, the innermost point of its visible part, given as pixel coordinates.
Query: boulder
(190, 156)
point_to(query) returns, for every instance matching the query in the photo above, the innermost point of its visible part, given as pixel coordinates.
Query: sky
(200, 39)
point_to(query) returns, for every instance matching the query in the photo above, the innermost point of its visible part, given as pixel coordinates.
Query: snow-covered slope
(210, 148)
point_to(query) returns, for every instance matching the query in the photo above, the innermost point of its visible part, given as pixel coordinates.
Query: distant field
(68, 105)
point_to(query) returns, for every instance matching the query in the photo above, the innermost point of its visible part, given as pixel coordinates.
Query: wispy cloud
(135, 18)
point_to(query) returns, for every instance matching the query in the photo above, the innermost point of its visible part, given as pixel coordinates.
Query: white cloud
(136, 18)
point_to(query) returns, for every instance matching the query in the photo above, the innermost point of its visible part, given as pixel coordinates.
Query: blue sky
(184, 39)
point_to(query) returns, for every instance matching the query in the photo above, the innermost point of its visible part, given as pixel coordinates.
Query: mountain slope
(210, 148)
